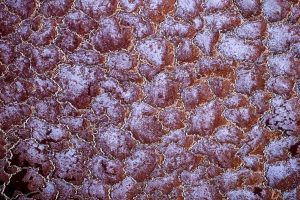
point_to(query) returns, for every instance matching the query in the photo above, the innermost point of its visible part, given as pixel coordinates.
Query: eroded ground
(153, 99)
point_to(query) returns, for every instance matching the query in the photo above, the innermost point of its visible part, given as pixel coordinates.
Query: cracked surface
(150, 99)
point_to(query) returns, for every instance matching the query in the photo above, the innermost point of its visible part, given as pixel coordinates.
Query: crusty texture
(150, 99)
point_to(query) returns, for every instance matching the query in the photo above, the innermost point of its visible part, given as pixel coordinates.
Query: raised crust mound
(150, 99)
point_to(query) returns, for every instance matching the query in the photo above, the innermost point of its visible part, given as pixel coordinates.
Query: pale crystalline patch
(235, 101)
(23, 8)
(111, 36)
(7, 21)
(109, 171)
(206, 118)
(80, 22)
(141, 163)
(7, 53)
(206, 41)
(187, 52)
(188, 9)
(45, 59)
(93, 189)
(275, 10)
(193, 177)
(172, 118)
(114, 141)
(172, 28)
(283, 175)
(141, 28)
(216, 5)
(106, 104)
(69, 166)
(251, 30)
(291, 194)
(198, 23)
(13, 114)
(120, 60)
(67, 40)
(222, 21)
(44, 87)
(279, 37)
(177, 158)
(229, 134)
(74, 78)
(162, 183)
(127, 188)
(130, 5)
(156, 51)
(243, 117)
(43, 131)
(202, 191)
(55, 8)
(239, 50)
(241, 194)
(30, 152)
(249, 79)
(283, 64)
(156, 10)
(97, 8)
(45, 34)
(144, 124)
(161, 91)
(248, 8)
(295, 49)
(284, 115)
(86, 57)
(280, 85)
(278, 149)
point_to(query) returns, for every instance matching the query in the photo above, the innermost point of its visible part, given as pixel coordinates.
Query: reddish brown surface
(150, 99)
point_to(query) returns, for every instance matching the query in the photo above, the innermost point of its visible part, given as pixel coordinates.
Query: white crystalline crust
(150, 99)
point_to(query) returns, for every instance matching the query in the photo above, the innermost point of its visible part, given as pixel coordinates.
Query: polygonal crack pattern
(150, 99)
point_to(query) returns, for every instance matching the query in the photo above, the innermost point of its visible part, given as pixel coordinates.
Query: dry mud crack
(150, 99)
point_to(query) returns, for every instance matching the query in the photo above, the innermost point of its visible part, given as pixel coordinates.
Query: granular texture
(150, 99)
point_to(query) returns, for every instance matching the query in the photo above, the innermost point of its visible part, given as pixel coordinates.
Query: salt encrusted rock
(207, 41)
(111, 36)
(22, 8)
(114, 141)
(249, 79)
(161, 91)
(205, 119)
(275, 10)
(153, 99)
(203, 190)
(222, 21)
(283, 175)
(216, 5)
(109, 171)
(141, 163)
(8, 21)
(238, 49)
(144, 124)
(196, 94)
(172, 118)
(13, 114)
(188, 9)
(249, 8)
(97, 9)
(252, 30)
(80, 22)
(77, 82)
(284, 115)
(67, 40)
(56, 8)
(157, 51)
